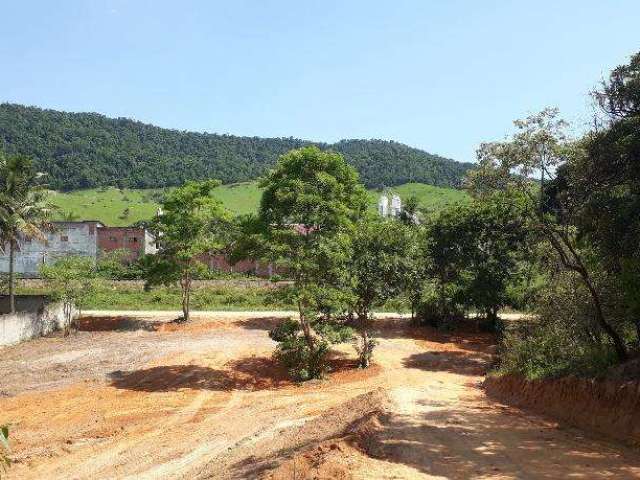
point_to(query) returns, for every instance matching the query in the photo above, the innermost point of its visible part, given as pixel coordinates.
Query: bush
(548, 350)
(442, 315)
(303, 361)
(565, 339)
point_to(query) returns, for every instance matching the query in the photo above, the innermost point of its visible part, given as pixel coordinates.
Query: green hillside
(88, 150)
(117, 207)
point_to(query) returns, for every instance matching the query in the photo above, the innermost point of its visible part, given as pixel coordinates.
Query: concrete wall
(68, 238)
(35, 316)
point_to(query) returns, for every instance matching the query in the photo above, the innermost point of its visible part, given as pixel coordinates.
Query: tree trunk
(575, 264)
(12, 296)
(186, 295)
(365, 349)
(618, 343)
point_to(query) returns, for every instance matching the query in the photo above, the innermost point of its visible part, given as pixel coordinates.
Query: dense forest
(86, 150)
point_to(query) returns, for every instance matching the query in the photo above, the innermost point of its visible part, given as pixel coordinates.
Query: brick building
(136, 241)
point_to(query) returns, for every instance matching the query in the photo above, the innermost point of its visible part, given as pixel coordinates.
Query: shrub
(565, 339)
(303, 361)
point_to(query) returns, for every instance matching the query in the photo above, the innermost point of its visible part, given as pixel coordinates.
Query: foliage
(117, 265)
(305, 361)
(539, 147)
(310, 203)
(472, 253)
(73, 281)
(565, 338)
(193, 223)
(4, 448)
(87, 150)
(24, 209)
(377, 268)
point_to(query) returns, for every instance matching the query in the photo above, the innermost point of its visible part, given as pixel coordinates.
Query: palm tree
(24, 208)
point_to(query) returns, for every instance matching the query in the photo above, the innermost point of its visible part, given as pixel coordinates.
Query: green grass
(109, 205)
(113, 295)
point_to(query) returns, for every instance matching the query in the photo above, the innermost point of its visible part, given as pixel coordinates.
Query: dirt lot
(132, 396)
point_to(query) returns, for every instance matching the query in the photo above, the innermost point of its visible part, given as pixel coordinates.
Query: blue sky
(438, 75)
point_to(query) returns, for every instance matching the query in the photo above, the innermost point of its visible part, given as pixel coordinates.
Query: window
(133, 240)
(113, 239)
(64, 238)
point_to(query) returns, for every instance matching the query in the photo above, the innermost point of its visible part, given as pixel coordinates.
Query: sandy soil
(133, 396)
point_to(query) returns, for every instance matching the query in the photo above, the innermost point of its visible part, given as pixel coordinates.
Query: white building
(396, 206)
(383, 206)
(67, 238)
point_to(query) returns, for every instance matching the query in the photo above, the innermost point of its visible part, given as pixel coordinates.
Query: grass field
(116, 207)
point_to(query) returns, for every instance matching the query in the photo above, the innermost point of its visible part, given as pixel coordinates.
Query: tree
(379, 262)
(309, 207)
(24, 208)
(538, 149)
(474, 251)
(73, 281)
(600, 186)
(193, 223)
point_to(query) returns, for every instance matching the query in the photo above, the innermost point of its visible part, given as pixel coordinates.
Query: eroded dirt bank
(610, 408)
(135, 397)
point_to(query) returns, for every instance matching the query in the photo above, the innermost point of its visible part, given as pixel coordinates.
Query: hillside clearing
(120, 207)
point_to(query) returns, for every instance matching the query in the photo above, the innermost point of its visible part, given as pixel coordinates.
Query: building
(389, 210)
(136, 241)
(65, 239)
(383, 205)
(396, 206)
(86, 238)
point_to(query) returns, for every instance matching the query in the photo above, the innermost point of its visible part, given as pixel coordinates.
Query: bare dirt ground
(132, 396)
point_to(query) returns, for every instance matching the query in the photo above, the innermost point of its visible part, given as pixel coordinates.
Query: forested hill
(86, 150)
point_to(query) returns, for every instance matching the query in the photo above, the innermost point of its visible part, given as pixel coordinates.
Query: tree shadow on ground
(465, 336)
(458, 362)
(262, 323)
(489, 441)
(111, 324)
(253, 373)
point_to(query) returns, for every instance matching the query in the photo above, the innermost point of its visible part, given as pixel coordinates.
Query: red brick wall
(121, 238)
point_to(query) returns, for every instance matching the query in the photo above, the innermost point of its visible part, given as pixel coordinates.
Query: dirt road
(135, 397)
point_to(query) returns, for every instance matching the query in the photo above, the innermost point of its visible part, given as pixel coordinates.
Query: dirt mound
(607, 407)
(339, 457)
(324, 447)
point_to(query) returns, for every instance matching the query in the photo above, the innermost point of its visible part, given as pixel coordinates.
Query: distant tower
(396, 206)
(383, 206)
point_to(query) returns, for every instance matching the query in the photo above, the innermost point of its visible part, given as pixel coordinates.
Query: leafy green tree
(309, 207)
(379, 262)
(480, 246)
(73, 281)
(538, 149)
(193, 223)
(599, 188)
(24, 208)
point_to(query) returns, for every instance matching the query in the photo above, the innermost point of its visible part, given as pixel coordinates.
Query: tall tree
(473, 252)
(24, 209)
(192, 223)
(537, 150)
(602, 184)
(379, 263)
(309, 207)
